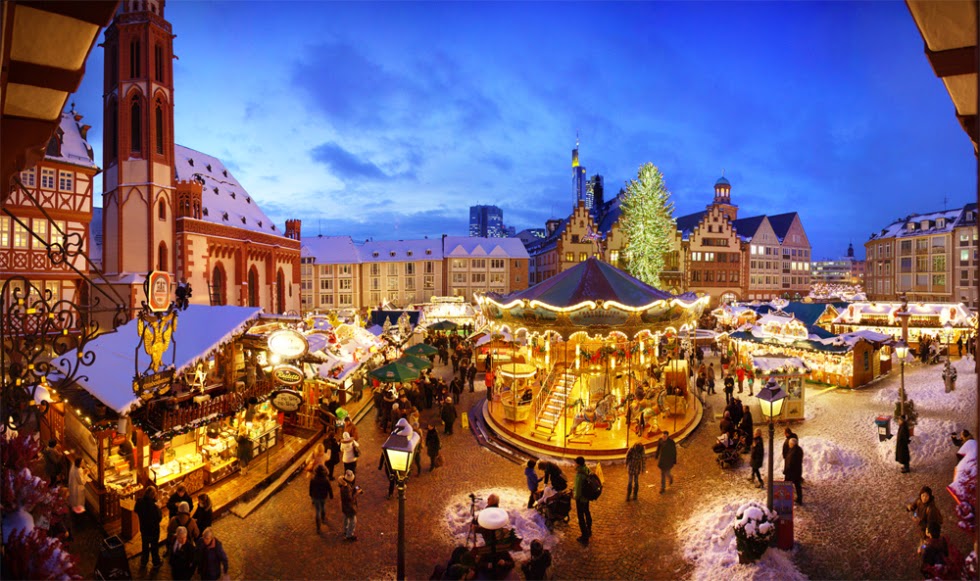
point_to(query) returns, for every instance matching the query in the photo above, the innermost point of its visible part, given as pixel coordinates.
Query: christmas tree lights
(648, 222)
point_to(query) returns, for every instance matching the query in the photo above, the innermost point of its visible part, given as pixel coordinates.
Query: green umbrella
(395, 373)
(443, 326)
(421, 350)
(417, 363)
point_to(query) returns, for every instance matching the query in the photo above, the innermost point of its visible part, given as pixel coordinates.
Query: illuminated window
(345, 284)
(47, 179)
(4, 231)
(40, 227)
(20, 236)
(582, 256)
(27, 178)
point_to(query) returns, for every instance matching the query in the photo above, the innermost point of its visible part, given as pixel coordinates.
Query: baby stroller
(555, 508)
(727, 449)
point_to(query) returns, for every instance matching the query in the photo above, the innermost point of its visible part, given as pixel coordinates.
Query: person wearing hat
(582, 503)
(448, 415)
(348, 504)
(184, 519)
(349, 451)
(320, 491)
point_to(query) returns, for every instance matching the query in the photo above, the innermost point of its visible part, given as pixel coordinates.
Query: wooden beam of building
(969, 124)
(45, 76)
(954, 61)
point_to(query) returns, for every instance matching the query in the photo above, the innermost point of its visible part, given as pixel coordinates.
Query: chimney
(293, 229)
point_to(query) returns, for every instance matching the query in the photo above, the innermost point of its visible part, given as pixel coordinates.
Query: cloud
(345, 164)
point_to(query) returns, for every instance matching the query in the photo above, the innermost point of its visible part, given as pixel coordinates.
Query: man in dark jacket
(581, 502)
(793, 467)
(179, 496)
(666, 458)
(553, 475)
(757, 455)
(150, 516)
(636, 463)
(727, 426)
(902, 454)
(745, 425)
(537, 566)
(471, 376)
(729, 388)
(54, 463)
(182, 555)
(320, 490)
(212, 560)
(790, 434)
(448, 415)
(925, 511)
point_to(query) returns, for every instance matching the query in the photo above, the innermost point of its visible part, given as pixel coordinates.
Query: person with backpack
(666, 458)
(582, 501)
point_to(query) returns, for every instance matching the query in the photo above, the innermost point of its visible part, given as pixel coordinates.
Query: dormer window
(941, 223)
(224, 172)
(925, 225)
(409, 253)
(224, 216)
(428, 252)
(243, 220)
(233, 195)
(374, 254)
(392, 253)
(205, 211)
(909, 226)
(209, 167)
(190, 160)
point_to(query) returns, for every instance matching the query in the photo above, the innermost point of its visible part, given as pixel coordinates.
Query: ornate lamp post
(771, 401)
(902, 350)
(399, 451)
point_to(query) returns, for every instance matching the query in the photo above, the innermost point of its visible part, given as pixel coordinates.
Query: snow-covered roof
(330, 249)
(74, 149)
(778, 364)
(223, 199)
(853, 337)
(956, 313)
(921, 224)
(401, 250)
(200, 330)
(460, 246)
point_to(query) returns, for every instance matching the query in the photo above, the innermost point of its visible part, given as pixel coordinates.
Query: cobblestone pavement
(853, 528)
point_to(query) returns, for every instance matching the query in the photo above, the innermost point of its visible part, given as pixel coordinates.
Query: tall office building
(594, 195)
(486, 221)
(580, 185)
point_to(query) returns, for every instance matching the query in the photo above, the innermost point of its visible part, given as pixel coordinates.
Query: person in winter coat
(448, 415)
(745, 425)
(150, 517)
(727, 426)
(902, 454)
(348, 504)
(729, 388)
(740, 374)
(184, 519)
(934, 550)
(636, 464)
(790, 434)
(331, 444)
(204, 515)
(182, 555)
(553, 475)
(54, 463)
(320, 491)
(757, 455)
(176, 498)
(532, 482)
(212, 561)
(432, 445)
(925, 511)
(349, 451)
(581, 502)
(471, 376)
(77, 478)
(537, 566)
(793, 467)
(666, 456)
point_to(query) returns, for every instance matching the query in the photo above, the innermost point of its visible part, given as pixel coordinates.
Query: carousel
(590, 362)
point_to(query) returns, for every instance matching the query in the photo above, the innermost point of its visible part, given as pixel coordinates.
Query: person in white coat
(349, 451)
(77, 478)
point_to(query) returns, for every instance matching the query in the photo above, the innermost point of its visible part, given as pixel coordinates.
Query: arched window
(134, 58)
(253, 287)
(162, 210)
(113, 122)
(280, 292)
(162, 256)
(218, 286)
(136, 126)
(159, 123)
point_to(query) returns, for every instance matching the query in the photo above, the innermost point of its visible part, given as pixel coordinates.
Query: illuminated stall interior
(923, 319)
(576, 379)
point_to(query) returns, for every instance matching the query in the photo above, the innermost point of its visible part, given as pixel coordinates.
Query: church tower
(723, 198)
(138, 202)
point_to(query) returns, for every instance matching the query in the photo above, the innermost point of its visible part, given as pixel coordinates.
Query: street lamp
(399, 450)
(771, 401)
(902, 350)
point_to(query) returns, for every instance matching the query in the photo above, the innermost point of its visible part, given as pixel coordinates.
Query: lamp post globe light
(771, 401)
(902, 351)
(399, 451)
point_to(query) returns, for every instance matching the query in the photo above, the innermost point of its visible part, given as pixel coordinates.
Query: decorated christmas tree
(648, 223)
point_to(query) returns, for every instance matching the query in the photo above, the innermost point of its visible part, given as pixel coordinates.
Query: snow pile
(710, 545)
(930, 444)
(824, 459)
(527, 523)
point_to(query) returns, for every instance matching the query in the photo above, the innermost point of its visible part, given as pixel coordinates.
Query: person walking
(448, 415)
(348, 504)
(666, 459)
(432, 445)
(320, 491)
(182, 555)
(925, 511)
(532, 482)
(331, 444)
(349, 451)
(729, 389)
(757, 455)
(636, 464)
(902, 454)
(581, 502)
(471, 376)
(150, 516)
(212, 561)
(740, 373)
(793, 468)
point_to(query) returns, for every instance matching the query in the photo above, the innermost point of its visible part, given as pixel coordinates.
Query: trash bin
(884, 424)
(112, 562)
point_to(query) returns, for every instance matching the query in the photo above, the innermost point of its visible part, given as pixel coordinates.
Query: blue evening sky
(389, 120)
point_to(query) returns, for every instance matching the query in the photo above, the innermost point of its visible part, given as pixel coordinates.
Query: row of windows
(714, 276)
(12, 234)
(481, 263)
(731, 257)
(65, 179)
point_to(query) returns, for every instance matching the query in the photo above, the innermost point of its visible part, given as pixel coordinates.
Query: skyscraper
(579, 182)
(486, 221)
(595, 195)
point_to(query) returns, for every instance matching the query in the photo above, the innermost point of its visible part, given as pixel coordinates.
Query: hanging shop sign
(286, 400)
(147, 386)
(158, 291)
(288, 344)
(288, 374)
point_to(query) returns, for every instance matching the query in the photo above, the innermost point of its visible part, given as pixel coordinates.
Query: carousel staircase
(551, 412)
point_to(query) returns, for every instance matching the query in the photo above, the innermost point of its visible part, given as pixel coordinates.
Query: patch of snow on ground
(709, 542)
(527, 523)
(824, 459)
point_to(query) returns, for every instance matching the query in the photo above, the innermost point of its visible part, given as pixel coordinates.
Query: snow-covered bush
(755, 526)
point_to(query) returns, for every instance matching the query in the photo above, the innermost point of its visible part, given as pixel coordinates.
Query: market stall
(790, 373)
(923, 320)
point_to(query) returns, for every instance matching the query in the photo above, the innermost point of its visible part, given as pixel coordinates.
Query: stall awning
(201, 329)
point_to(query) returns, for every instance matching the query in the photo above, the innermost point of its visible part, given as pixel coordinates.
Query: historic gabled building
(61, 184)
(475, 265)
(170, 208)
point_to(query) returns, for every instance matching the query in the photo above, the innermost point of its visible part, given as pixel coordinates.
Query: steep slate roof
(781, 223)
(330, 249)
(74, 149)
(897, 228)
(611, 212)
(686, 224)
(810, 312)
(747, 227)
(400, 250)
(480, 246)
(590, 281)
(224, 200)
(378, 317)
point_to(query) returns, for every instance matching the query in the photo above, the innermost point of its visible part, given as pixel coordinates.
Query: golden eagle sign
(288, 344)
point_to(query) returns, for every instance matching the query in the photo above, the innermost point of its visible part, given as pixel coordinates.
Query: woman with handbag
(349, 451)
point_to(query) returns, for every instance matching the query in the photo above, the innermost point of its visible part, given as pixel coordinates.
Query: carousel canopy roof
(591, 280)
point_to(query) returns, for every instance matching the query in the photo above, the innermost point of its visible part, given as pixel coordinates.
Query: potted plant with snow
(755, 526)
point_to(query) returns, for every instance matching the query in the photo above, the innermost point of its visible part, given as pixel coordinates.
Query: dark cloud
(344, 164)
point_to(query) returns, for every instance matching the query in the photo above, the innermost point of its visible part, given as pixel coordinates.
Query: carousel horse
(587, 415)
(606, 410)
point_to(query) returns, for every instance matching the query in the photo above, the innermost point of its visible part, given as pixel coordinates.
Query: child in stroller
(728, 449)
(554, 505)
